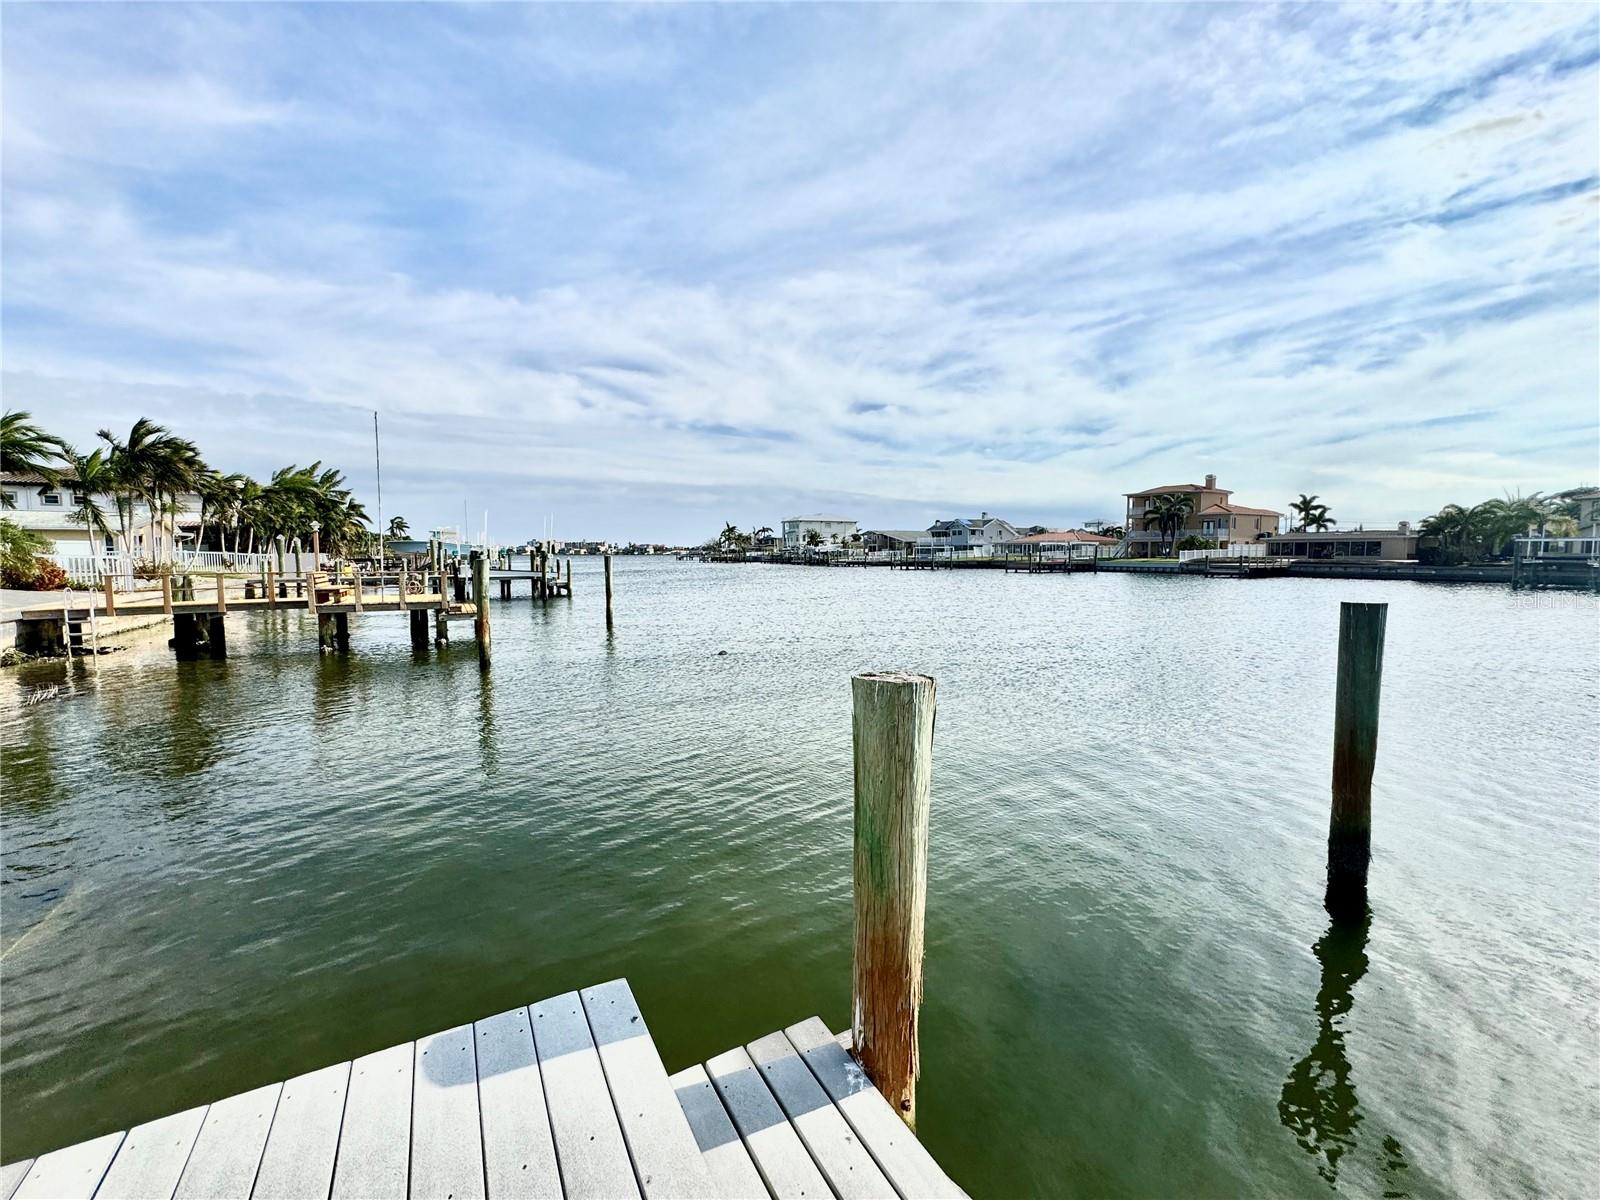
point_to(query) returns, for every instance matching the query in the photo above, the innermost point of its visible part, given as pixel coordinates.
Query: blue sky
(652, 268)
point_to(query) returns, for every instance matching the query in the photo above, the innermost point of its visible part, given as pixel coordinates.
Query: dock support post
(185, 637)
(893, 738)
(608, 593)
(1355, 751)
(222, 594)
(166, 592)
(505, 589)
(341, 631)
(480, 599)
(441, 624)
(111, 597)
(419, 629)
(217, 635)
(569, 579)
(326, 632)
(544, 574)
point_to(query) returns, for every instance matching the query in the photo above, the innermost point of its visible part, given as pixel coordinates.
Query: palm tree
(1313, 516)
(1168, 513)
(94, 478)
(25, 447)
(398, 528)
(813, 538)
(146, 465)
(763, 533)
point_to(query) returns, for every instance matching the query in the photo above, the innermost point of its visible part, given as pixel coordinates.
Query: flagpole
(377, 459)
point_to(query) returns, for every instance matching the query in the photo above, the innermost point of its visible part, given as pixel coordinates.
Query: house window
(80, 497)
(50, 498)
(11, 499)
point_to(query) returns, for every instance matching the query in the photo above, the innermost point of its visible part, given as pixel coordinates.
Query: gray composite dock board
(305, 1136)
(567, 1097)
(519, 1156)
(785, 1164)
(228, 1150)
(895, 1148)
(733, 1172)
(446, 1137)
(665, 1157)
(151, 1159)
(850, 1170)
(375, 1142)
(71, 1173)
(589, 1144)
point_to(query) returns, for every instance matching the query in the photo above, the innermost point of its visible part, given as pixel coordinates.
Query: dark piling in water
(1355, 752)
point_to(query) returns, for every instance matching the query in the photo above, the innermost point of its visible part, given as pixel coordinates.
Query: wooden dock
(564, 1097)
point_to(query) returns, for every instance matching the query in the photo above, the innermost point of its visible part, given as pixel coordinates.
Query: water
(221, 874)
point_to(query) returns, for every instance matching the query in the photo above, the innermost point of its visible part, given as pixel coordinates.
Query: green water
(220, 874)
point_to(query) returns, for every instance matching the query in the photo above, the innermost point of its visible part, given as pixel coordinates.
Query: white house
(978, 535)
(826, 527)
(33, 503)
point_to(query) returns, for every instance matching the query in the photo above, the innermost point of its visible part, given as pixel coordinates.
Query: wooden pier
(564, 1097)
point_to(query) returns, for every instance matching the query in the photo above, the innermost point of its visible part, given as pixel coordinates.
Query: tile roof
(1168, 489)
(1238, 510)
(1065, 535)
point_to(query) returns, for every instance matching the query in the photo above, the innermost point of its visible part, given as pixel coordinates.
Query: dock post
(222, 595)
(892, 731)
(325, 632)
(341, 631)
(608, 593)
(505, 589)
(1355, 751)
(480, 599)
(217, 635)
(166, 592)
(569, 579)
(441, 623)
(419, 629)
(111, 597)
(185, 637)
(544, 573)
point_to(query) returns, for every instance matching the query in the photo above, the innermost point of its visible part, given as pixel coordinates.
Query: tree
(1168, 513)
(1196, 542)
(25, 447)
(398, 528)
(813, 539)
(94, 478)
(149, 465)
(1313, 516)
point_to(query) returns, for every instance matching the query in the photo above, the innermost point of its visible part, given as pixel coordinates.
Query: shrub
(19, 555)
(1195, 542)
(48, 577)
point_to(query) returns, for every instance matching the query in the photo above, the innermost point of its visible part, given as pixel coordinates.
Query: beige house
(1398, 544)
(1212, 515)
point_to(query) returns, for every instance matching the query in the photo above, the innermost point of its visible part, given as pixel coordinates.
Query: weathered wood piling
(608, 593)
(893, 739)
(480, 599)
(1355, 751)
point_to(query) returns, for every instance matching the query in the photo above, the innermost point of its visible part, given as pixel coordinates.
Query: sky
(643, 270)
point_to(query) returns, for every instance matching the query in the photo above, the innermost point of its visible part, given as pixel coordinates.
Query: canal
(218, 874)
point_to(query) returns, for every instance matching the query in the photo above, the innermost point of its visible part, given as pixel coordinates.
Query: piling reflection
(1318, 1103)
(488, 740)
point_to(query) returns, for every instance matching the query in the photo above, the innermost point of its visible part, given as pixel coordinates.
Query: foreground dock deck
(563, 1097)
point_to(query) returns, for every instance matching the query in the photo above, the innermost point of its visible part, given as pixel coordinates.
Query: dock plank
(589, 1142)
(519, 1153)
(227, 1151)
(375, 1144)
(71, 1173)
(304, 1140)
(906, 1162)
(785, 1164)
(665, 1157)
(152, 1157)
(12, 1175)
(446, 1138)
(836, 1148)
(733, 1172)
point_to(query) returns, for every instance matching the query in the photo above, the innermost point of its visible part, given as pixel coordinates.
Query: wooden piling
(341, 631)
(217, 635)
(222, 594)
(480, 599)
(326, 631)
(419, 629)
(569, 579)
(1355, 751)
(111, 596)
(544, 574)
(166, 592)
(893, 738)
(441, 622)
(608, 592)
(272, 587)
(311, 595)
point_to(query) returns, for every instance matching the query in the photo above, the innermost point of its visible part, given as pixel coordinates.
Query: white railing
(1556, 547)
(121, 567)
(1234, 550)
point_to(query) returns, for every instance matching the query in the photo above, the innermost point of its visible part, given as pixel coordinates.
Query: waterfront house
(1398, 544)
(825, 526)
(900, 541)
(1055, 543)
(974, 536)
(1212, 514)
(1588, 503)
(34, 503)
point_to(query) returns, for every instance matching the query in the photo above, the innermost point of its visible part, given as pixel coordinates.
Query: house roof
(1168, 489)
(899, 535)
(33, 477)
(1302, 535)
(1064, 535)
(1238, 510)
(821, 517)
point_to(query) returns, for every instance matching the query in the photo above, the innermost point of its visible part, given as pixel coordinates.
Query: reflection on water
(1318, 1103)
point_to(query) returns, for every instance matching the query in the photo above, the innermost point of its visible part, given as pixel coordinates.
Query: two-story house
(978, 535)
(1212, 514)
(828, 528)
(46, 507)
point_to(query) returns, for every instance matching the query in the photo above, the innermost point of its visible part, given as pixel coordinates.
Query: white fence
(122, 567)
(1235, 550)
